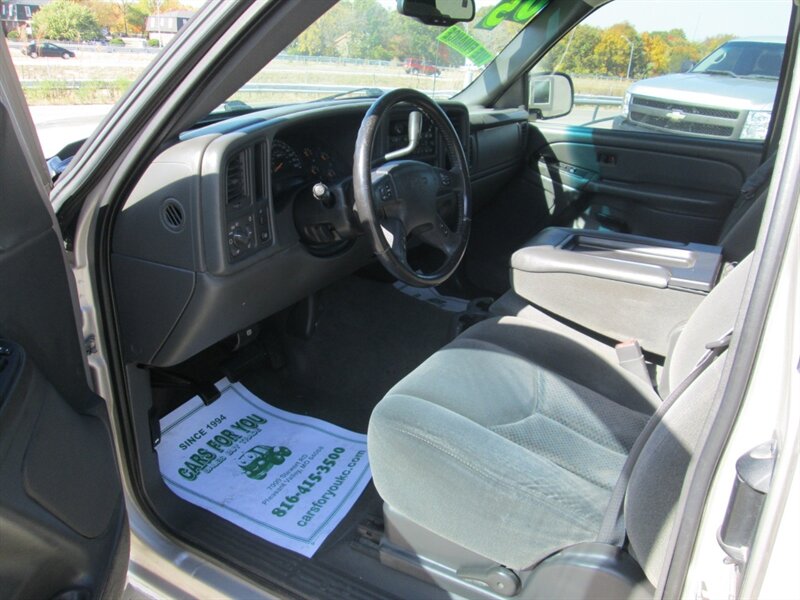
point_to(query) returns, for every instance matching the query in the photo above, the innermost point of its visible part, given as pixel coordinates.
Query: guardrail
(598, 102)
(298, 88)
(284, 88)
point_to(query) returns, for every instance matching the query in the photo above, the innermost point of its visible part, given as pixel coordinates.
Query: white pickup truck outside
(727, 95)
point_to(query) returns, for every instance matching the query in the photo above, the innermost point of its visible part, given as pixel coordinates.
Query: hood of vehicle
(709, 90)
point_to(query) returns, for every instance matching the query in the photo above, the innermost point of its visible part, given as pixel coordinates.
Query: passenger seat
(508, 446)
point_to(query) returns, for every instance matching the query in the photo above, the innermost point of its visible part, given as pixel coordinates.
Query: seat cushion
(509, 440)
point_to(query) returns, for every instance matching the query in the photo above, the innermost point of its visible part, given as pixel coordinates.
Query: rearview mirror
(550, 95)
(438, 12)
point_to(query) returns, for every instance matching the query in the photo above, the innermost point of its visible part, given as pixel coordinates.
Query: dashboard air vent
(235, 180)
(172, 215)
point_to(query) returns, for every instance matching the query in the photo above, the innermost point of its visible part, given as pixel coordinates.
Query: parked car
(727, 95)
(417, 66)
(47, 49)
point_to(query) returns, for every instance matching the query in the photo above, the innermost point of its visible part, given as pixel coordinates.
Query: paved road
(57, 126)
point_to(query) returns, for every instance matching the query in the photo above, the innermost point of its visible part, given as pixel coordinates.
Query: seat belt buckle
(631, 358)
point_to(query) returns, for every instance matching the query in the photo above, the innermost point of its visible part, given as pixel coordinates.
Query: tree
(575, 53)
(106, 15)
(319, 39)
(592, 50)
(613, 52)
(123, 9)
(708, 45)
(65, 20)
(657, 51)
(409, 38)
(137, 18)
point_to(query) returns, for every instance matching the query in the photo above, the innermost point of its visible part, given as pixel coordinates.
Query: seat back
(740, 230)
(658, 475)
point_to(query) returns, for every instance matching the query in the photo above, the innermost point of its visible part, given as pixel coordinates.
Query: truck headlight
(626, 105)
(756, 125)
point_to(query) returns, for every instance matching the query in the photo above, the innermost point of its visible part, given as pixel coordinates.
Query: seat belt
(758, 179)
(612, 530)
(631, 358)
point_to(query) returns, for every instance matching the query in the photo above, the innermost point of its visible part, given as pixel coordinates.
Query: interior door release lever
(606, 158)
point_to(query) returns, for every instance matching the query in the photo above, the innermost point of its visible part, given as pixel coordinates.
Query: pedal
(250, 357)
(303, 317)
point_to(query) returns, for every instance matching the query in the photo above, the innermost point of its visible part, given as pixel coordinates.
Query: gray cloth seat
(508, 441)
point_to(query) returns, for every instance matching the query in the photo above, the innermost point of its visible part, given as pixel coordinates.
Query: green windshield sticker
(466, 45)
(519, 11)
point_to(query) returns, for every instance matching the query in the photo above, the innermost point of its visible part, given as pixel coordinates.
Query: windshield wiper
(769, 77)
(369, 92)
(720, 72)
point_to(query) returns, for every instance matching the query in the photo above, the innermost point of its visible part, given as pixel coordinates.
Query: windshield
(744, 59)
(365, 47)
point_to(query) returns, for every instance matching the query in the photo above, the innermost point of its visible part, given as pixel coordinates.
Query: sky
(698, 18)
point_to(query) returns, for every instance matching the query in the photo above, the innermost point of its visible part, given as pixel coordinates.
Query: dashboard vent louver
(172, 215)
(472, 151)
(235, 180)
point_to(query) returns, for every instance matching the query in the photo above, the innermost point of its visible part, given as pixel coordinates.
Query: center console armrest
(620, 285)
(621, 257)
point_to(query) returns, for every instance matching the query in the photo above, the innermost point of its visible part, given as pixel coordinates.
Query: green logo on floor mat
(257, 461)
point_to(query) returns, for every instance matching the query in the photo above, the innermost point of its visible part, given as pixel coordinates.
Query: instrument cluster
(294, 164)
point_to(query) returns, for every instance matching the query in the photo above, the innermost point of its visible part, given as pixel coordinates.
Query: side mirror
(550, 95)
(687, 65)
(438, 12)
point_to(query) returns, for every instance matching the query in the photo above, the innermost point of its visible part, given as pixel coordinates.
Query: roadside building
(16, 15)
(164, 26)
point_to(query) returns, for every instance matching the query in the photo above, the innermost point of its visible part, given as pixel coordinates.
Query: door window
(675, 66)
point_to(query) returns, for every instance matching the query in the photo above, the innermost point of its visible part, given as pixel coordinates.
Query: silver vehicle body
(721, 105)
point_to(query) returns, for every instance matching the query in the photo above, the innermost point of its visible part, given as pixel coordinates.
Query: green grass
(600, 87)
(90, 92)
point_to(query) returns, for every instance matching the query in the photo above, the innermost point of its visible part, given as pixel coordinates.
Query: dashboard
(223, 229)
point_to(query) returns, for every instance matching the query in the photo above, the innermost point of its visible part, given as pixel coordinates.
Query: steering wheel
(398, 200)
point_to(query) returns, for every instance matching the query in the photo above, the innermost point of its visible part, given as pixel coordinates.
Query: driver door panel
(63, 526)
(61, 511)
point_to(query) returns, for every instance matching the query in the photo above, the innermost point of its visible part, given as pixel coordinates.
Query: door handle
(606, 158)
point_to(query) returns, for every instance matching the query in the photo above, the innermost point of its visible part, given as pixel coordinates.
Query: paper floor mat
(286, 478)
